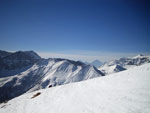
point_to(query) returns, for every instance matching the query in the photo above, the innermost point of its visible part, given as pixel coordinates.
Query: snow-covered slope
(124, 63)
(46, 73)
(111, 69)
(124, 92)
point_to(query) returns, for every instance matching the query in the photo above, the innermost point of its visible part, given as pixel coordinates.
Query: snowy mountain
(124, 63)
(46, 73)
(124, 92)
(16, 62)
(111, 69)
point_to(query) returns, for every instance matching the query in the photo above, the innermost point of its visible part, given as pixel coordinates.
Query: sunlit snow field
(124, 92)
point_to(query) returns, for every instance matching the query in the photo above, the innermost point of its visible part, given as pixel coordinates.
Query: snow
(139, 56)
(124, 92)
(111, 69)
(46, 73)
(8, 73)
(124, 63)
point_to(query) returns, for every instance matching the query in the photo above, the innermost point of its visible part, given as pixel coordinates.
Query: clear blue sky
(72, 25)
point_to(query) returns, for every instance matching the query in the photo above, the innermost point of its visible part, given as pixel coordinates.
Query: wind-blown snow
(124, 92)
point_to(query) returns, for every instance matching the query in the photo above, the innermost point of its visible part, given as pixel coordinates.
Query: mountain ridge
(129, 88)
(124, 63)
(46, 73)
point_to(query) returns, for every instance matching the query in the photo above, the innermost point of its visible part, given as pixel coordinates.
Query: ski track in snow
(123, 92)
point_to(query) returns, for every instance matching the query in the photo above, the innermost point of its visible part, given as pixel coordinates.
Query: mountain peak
(138, 56)
(33, 54)
(48, 73)
(17, 60)
(96, 63)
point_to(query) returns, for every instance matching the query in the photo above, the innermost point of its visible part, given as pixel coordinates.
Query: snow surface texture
(124, 92)
(123, 64)
(46, 73)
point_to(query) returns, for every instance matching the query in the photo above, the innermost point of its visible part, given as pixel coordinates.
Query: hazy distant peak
(139, 56)
(96, 63)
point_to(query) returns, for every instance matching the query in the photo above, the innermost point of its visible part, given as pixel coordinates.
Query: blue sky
(76, 29)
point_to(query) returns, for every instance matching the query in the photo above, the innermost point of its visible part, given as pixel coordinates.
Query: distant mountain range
(123, 64)
(124, 92)
(25, 71)
(40, 73)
